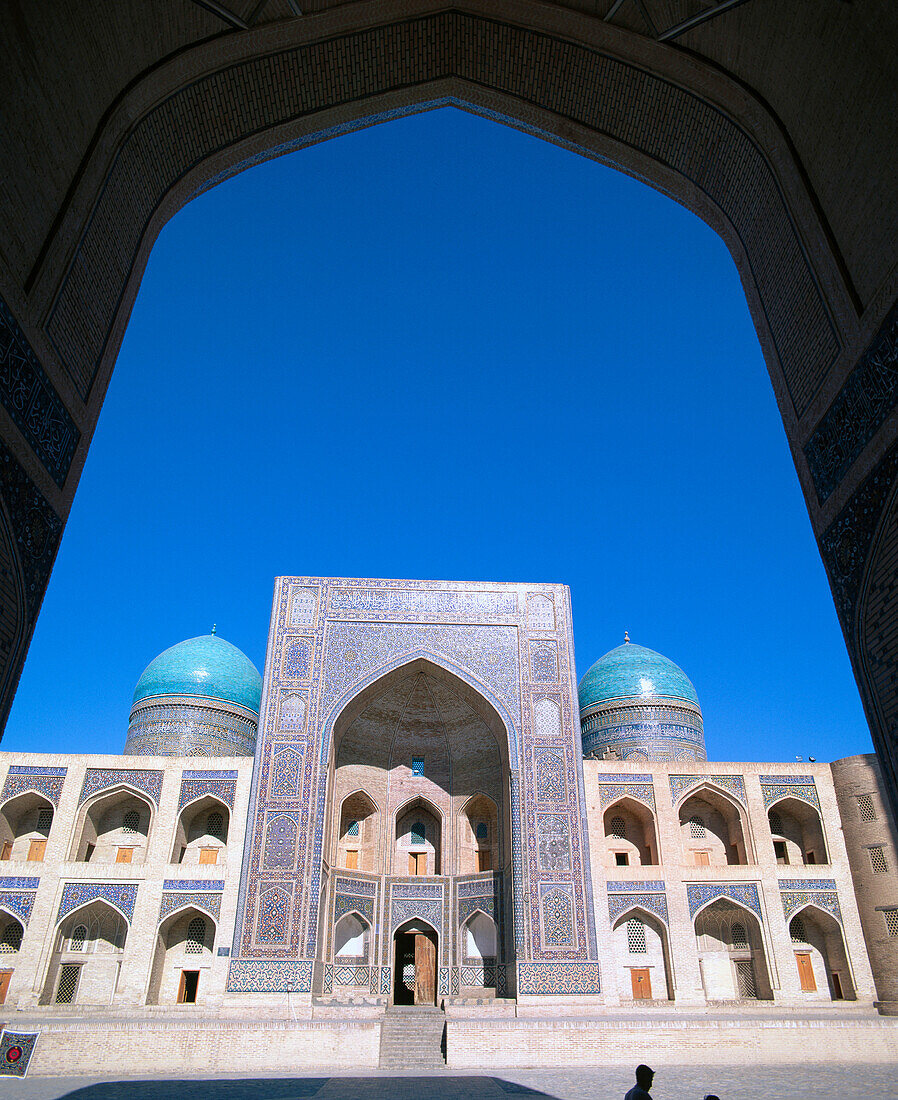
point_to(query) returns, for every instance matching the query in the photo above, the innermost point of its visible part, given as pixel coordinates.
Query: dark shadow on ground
(294, 1088)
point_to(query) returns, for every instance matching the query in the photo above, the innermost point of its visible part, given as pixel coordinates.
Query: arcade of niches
(431, 815)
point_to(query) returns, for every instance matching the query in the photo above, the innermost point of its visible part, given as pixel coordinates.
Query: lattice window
(352, 829)
(697, 827)
(417, 765)
(740, 936)
(196, 937)
(865, 807)
(44, 820)
(79, 938)
(11, 940)
(878, 861)
(68, 983)
(131, 822)
(618, 828)
(891, 919)
(215, 825)
(776, 823)
(797, 931)
(417, 832)
(745, 978)
(482, 832)
(636, 937)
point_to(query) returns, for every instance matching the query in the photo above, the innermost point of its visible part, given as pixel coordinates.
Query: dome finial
(214, 627)
(626, 637)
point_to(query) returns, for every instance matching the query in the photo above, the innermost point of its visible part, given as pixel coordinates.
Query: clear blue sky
(439, 348)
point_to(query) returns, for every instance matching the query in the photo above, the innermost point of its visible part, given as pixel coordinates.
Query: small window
(11, 940)
(352, 829)
(44, 821)
(878, 861)
(131, 822)
(196, 937)
(352, 859)
(79, 938)
(482, 832)
(417, 832)
(215, 825)
(68, 983)
(417, 765)
(740, 938)
(781, 852)
(621, 859)
(702, 859)
(776, 822)
(696, 827)
(618, 828)
(865, 807)
(891, 919)
(636, 937)
(797, 931)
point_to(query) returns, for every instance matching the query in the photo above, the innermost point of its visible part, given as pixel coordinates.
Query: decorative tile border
(16, 882)
(20, 904)
(270, 976)
(680, 785)
(193, 884)
(46, 781)
(559, 978)
(776, 787)
(745, 893)
(796, 893)
(221, 785)
(120, 895)
(199, 899)
(642, 792)
(650, 896)
(142, 779)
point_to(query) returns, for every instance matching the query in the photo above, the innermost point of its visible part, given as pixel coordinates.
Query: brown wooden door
(425, 970)
(805, 972)
(642, 984)
(5, 975)
(36, 851)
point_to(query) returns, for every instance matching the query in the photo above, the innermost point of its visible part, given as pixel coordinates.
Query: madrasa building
(415, 806)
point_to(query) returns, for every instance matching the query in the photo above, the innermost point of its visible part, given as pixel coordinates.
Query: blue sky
(440, 348)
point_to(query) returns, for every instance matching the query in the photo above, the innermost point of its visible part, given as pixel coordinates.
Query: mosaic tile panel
(46, 781)
(19, 882)
(350, 903)
(280, 842)
(544, 662)
(546, 717)
(540, 612)
(746, 893)
(363, 886)
(270, 976)
(19, 904)
(403, 909)
(550, 781)
(442, 605)
(209, 903)
(180, 729)
(351, 975)
(680, 785)
(536, 978)
(98, 779)
(467, 906)
(16, 1050)
(480, 975)
(303, 602)
(297, 659)
(274, 916)
(211, 885)
(286, 772)
(119, 894)
(775, 787)
(221, 788)
(795, 894)
(642, 792)
(557, 918)
(650, 896)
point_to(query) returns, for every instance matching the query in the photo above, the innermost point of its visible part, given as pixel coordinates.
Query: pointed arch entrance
(415, 953)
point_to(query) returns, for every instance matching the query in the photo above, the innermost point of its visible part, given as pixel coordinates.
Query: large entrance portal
(415, 965)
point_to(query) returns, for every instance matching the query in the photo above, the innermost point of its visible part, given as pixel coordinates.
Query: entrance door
(5, 975)
(805, 972)
(642, 984)
(425, 970)
(404, 969)
(190, 980)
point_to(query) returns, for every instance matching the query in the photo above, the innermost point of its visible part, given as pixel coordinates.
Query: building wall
(869, 832)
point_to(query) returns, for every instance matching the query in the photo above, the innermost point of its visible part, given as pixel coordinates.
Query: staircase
(411, 1037)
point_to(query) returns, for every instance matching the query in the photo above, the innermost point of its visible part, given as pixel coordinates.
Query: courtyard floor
(810, 1082)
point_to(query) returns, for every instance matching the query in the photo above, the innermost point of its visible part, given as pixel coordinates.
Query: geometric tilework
(285, 773)
(46, 781)
(775, 787)
(557, 918)
(214, 885)
(647, 895)
(280, 841)
(270, 976)
(611, 792)
(121, 895)
(209, 903)
(827, 900)
(619, 778)
(544, 662)
(680, 784)
(344, 884)
(18, 903)
(349, 903)
(746, 893)
(274, 916)
(559, 977)
(550, 785)
(403, 909)
(807, 884)
(350, 975)
(97, 779)
(220, 785)
(19, 882)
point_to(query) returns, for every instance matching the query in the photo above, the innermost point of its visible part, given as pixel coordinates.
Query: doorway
(640, 979)
(415, 966)
(190, 980)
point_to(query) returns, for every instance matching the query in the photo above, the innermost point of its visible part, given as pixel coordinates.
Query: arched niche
(418, 839)
(478, 839)
(415, 947)
(11, 933)
(797, 833)
(731, 953)
(357, 836)
(113, 827)
(478, 951)
(821, 958)
(25, 823)
(201, 834)
(86, 958)
(641, 957)
(183, 958)
(631, 839)
(352, 939)
(712, 829)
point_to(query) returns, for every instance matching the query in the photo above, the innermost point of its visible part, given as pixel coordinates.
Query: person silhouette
(644, 1078)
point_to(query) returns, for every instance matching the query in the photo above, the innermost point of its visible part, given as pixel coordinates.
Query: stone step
(411, 1038)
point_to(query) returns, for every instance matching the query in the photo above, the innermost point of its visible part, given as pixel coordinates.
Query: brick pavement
(811, 1082)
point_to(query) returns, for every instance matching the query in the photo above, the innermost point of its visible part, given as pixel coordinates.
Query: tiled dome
(632, 671)
(207, 666)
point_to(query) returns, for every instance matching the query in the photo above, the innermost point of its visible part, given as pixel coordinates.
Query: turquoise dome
(206, 666)
(634, 671)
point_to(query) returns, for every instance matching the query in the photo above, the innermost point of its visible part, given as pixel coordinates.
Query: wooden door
(124, 855)
(5, 975)
(805, 972)
(642, 983)
(208, 855)
(425, 970)
(36, 851)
